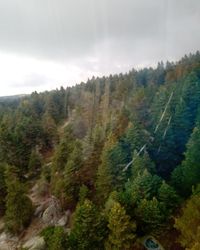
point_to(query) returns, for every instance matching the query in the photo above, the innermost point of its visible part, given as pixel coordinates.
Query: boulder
(64, 219)
(8, 242)
(53, 212)
(36, 243)
(39, 210)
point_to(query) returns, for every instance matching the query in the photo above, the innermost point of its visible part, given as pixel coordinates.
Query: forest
(121, 153)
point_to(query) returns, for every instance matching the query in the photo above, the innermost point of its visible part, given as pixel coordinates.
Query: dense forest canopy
(121, 152)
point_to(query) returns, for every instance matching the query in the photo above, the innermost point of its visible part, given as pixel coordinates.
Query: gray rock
(7, 241)
(36, 243)
(53, 213)
(64, 219)
(39, 210)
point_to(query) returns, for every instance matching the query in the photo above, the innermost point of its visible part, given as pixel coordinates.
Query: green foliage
(142, 162)
(121, 229)
(114, 117)
(144, 186)
(35, 163)
(3, 190)
(88, 230)
(47, 234)
(64, 149)
(71, 176)
(189, 223)
(83, 194)
(191, 165)
(104, 179)
(61, 157)
(150, 215)
(177, 180)
(55, 238)
(18, 206)
(168, 196)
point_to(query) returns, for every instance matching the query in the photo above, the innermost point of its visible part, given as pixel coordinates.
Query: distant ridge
(12, 97)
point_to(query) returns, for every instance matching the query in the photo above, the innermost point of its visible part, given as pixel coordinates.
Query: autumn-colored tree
(189, 223)
(121, 229)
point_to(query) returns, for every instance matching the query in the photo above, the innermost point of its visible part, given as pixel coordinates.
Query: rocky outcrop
(64, 220)
(36, 243)
(8, 242)
(53, 212)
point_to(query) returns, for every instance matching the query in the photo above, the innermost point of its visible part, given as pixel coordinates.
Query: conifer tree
(61, 157)
(58, 240)
(140, 163)
(168, 196)
(121, 229)
(150, 215)
(18, 206)
(104, 177)
(71, 176)
(3, 190)
(189, 223)
(190, 167)
(143, 186)
(88, 230)
(35, 163)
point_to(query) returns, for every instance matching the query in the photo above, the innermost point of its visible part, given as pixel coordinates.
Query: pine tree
(189, 222)
(191, 165)
(150, 215)
(71, 176)
(58, 240)
(140, 163)
(144, 186)
(3, 190)
(35, 163)
(121, 229)
(18, 206)
(88, 230)
(60, 159)
(104, 177)
(168, 196)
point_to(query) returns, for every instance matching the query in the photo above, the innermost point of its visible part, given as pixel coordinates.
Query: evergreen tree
(60, 159)
(71, 176)
(88, 230)
(140, 163)
(64, 149)
(121, 229)
(104, 177)
(58, 240)
(83, 194)
(150, 215)
(143, 186)
(35, 163)
(55, 238)
(3, 190)
(189, 222)
(191, 165)
(168, 196)
(18, 206)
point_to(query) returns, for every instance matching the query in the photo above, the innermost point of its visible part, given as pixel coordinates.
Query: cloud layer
(80, 38)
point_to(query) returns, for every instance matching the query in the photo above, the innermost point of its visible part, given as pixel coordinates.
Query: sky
(45, 44)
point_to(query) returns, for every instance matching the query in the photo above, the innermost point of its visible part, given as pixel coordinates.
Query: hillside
(105, 163)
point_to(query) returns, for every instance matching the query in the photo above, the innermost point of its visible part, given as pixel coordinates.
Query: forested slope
(122, 154)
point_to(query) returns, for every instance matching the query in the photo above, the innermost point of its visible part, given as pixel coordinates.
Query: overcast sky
(48, 43)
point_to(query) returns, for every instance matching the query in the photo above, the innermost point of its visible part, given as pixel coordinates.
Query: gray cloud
(100, 35)
(32, 80)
